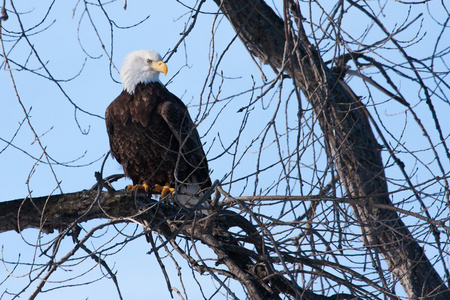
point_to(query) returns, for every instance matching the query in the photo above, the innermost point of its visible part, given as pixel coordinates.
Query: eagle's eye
(149, 61)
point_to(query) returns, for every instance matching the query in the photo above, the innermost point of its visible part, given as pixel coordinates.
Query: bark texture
(348, 135)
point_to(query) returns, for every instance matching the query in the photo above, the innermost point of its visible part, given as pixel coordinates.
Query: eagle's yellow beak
(160, 67)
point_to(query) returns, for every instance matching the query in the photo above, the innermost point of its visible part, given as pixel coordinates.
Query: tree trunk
(349, 138)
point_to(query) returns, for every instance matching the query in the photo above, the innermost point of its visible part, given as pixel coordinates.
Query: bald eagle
(152, 135)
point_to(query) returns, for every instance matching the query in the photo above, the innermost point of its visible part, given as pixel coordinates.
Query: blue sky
(70, 49)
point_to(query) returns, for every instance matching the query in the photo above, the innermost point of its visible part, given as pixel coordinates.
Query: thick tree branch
(252, 268)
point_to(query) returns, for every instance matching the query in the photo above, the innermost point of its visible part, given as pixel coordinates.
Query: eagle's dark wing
(117, 119)
(192, 156)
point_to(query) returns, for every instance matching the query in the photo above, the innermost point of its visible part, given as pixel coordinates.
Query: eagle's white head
(141, 66)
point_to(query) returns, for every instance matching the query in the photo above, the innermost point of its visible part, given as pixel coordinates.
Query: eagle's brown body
(153, 137)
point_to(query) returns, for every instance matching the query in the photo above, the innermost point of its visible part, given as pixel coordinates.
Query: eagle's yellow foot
(164, 189)
(143, 187)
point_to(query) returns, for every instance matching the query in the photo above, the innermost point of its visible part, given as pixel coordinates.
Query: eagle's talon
(143, 187)
(131, 187)
(164, 189)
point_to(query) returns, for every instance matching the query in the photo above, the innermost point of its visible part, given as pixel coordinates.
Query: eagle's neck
(131, 78)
